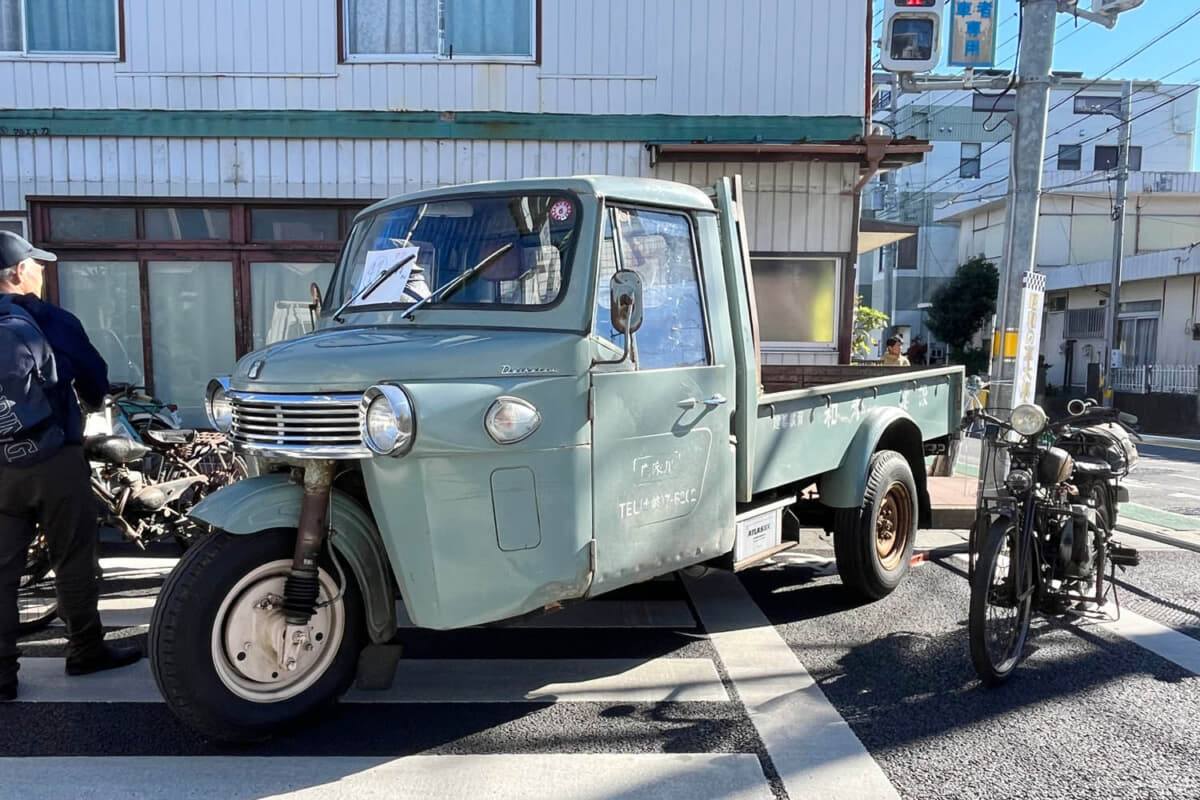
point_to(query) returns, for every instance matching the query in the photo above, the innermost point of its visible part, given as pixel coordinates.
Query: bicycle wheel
(37, 604)
(999, 620)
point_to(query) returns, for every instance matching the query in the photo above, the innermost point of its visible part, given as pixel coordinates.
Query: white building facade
(1160, 289)
(195, 162)
(968, 169)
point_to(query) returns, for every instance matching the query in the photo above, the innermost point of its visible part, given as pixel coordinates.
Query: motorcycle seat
(1092, 467)
(169, 438)
(113, 449)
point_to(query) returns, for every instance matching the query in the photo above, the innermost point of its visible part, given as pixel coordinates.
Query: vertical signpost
(1029, 338)
(972, 33)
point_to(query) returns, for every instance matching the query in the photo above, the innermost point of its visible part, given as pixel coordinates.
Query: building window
(1107, 157)
(477, 30)
(13, 225)
(907, 252)
(970, 159)
(41, 27)
(1070, 156)
(797, 299)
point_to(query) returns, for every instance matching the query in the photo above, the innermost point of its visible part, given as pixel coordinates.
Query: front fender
(273, 501)
(881, 429)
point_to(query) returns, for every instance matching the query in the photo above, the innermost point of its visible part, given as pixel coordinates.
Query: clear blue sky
(1093, 49)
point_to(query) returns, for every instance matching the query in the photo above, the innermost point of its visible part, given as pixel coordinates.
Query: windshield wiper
(363, 293)
(457, 282)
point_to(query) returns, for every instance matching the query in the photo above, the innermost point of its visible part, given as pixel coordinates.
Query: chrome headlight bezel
(392, 400)
(218, 406)
(1028, 419)
(1019, 481)
(523, 428)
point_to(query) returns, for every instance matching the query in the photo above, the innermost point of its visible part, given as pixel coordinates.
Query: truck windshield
(447, 238)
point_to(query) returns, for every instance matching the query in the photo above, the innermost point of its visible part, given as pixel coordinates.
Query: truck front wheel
(874, 542)
(219, 644)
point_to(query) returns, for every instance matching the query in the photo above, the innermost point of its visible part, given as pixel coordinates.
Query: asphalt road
(1167, 478)
(1089, 713)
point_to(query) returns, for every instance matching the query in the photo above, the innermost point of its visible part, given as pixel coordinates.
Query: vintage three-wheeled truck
(517, 395)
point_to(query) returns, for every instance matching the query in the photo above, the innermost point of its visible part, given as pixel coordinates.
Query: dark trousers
(55, 496)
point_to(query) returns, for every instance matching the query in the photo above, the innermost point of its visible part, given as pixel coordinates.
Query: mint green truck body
(639, 465)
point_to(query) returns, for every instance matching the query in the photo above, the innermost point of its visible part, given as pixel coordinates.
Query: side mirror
(1128, 419)
(625, 301)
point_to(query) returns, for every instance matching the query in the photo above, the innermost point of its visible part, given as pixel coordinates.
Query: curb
(1171, 441)
(1159, 536)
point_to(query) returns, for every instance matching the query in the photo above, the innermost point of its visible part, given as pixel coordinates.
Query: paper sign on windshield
(378, 262)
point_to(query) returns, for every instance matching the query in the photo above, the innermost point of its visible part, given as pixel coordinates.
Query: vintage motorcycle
(1043, 532)
(144, 479)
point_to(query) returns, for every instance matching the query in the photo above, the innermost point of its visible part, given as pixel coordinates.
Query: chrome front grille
(297, 426)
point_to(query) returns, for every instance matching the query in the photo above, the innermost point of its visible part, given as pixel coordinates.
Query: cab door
(662, 459)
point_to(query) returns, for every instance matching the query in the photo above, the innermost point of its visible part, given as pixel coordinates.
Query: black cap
(14, 249)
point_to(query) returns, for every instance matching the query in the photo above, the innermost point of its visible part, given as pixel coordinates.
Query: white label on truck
(391, 290)
(757, 533)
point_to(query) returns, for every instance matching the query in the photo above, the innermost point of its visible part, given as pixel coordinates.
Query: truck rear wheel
(874, 542)
(218, 646)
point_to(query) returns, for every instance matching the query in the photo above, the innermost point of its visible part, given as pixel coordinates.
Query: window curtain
(71, 26)
(10, 25)
(489, 27)
(392, 27)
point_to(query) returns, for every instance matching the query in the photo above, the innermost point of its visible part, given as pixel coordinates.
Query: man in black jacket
(55, 492)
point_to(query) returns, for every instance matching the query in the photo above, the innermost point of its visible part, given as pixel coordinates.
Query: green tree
(866, 319)
(961, 306)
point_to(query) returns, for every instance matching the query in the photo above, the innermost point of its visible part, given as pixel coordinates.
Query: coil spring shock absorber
(302, 586)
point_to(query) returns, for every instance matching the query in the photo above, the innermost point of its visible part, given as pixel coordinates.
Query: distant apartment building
(954, 200)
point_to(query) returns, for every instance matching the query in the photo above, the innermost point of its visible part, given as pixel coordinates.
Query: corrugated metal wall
(367, 169)
(790, 207)
(617, 56)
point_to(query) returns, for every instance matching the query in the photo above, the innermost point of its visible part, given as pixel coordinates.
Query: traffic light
(912, 35)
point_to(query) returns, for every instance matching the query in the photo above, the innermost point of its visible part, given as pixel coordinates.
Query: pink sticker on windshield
(561, 211)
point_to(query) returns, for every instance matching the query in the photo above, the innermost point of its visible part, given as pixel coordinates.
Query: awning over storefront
(873, 153)
(874, 234)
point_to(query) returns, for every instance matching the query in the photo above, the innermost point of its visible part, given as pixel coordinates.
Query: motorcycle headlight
(511, 419)
(1028, 420)
(217, 404)
(386, 420)
(1019, 481)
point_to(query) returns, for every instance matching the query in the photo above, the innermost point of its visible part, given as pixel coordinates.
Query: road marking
(616, 680)
(1185, 496)
(1157, 638)
(627, 680)
(813, 748)
(563, 776)
(598, 614)
(123, 612)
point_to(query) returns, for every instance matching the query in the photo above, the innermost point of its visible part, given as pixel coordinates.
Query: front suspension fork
(303, 585)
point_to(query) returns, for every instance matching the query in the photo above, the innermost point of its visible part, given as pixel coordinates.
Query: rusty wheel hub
(893, 525)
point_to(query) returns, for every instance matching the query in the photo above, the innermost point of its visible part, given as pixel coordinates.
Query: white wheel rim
(248, 636)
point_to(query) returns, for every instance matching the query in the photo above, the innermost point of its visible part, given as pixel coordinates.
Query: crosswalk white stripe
(813, 748)
(1157, 638)
(598, 614)
(616, 680)
(563, 776)
(132, 612)
(541, 680)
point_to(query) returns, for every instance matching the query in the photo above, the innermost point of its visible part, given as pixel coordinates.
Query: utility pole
(1114, 293)
(1025, 188)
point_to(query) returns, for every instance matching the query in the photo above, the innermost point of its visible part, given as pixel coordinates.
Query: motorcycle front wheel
(217, 638)
(999, 619)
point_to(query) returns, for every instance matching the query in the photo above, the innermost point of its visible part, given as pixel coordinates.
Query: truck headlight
(1028, 419)
(217, 404)
(511, 419)
(386, 420)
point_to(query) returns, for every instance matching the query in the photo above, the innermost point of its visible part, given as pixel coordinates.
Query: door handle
(688, 403)
(716, 400)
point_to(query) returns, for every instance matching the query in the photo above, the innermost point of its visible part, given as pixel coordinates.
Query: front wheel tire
(999, 619)
(873, 543)
(217, 639)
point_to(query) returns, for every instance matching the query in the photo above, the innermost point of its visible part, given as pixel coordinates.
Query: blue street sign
(972, 33)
